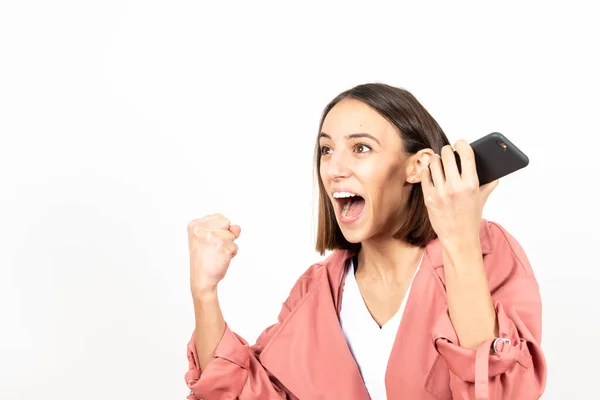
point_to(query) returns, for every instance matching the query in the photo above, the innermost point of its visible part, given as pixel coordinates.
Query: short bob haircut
(417, 129)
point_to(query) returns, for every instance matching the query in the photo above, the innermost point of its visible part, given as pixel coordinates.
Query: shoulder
(505, 251)
(322, 272)
(507, 266)
(504, 258)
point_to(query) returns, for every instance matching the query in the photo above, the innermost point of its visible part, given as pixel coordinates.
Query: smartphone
(495, 157)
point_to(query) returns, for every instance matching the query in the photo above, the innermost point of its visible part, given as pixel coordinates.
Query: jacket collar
(290, 356)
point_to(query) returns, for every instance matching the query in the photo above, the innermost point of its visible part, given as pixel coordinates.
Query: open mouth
(350, 206)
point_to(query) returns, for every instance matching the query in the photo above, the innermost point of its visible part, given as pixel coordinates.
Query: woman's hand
(454, 200)
(211, 246)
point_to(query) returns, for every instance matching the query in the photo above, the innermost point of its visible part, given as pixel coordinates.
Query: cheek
(389, 180)
(388, 190)
(322, 170)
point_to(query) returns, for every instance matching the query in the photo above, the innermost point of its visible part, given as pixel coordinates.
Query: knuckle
(214, 218)
(204, 234)
(446, 196)
(209, 217)
(471, 188)
(232, 250)
(192, 225)
(197, 231)
(221, 219)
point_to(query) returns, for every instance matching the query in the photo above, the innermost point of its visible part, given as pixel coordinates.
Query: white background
(120, 121)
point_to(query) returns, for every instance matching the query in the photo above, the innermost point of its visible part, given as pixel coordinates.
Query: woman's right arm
(221, 364)
(233, 369)
(210, 323)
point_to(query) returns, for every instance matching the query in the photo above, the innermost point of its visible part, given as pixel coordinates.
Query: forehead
(354, 116)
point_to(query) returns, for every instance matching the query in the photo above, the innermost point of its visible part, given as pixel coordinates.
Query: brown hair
(417, 129)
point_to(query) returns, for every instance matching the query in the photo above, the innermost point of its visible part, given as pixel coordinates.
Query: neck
(388, 259)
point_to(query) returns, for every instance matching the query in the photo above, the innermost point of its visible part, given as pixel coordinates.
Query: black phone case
(495, 157)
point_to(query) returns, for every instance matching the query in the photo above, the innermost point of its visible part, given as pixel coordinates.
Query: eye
(325, 150)
(361, 148)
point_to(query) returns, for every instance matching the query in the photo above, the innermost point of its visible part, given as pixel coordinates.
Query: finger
(232, 249)
(449, 162)
(223, 233)
(467, 161)
(213, 217)
(488, 188)
(426, 183)
(218, 221)
(236, 230)
(437, 172)
(211, 221)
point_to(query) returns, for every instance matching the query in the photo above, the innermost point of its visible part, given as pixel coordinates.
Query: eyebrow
(352, 136)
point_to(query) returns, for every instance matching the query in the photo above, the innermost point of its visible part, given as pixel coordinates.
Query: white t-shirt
(370, 345)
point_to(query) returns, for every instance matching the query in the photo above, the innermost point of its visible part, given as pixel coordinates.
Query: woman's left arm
(470, 302)
(508, 307)
(494, 304)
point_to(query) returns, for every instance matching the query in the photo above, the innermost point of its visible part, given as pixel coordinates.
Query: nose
(338, 167)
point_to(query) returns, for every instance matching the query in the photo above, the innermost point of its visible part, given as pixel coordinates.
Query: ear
(416, 164)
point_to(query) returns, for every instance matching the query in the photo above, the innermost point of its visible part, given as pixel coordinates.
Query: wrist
(462, 244)
(461, 255)
(204, 291)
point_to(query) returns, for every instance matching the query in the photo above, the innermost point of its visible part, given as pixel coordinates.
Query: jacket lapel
(413, 354)
(309, 354)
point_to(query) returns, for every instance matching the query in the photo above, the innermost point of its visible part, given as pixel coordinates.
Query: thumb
(488, 188)
(236, 230)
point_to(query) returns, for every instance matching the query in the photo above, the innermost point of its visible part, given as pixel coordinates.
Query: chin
(354, 239)
(354, 235)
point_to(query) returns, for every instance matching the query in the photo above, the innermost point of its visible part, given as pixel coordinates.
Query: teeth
(341, 195)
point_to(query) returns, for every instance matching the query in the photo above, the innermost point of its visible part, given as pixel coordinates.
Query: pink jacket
(305, 356)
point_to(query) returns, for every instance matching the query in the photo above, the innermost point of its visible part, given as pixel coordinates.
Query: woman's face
(364, 171)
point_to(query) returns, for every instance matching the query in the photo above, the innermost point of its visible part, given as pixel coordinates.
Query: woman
(421, 298)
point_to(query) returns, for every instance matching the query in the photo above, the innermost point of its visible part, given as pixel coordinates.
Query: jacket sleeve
(235, 371)
(511, 366)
